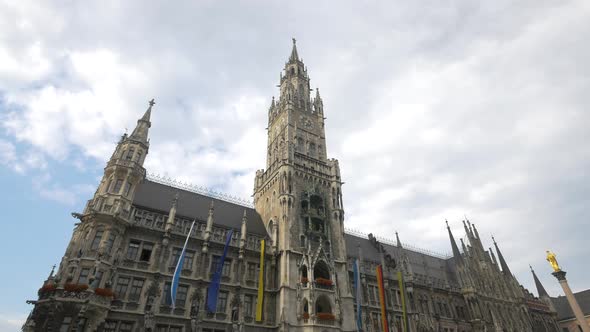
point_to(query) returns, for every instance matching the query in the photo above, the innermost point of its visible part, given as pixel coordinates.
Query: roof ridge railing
(168, 181)
(356, 232)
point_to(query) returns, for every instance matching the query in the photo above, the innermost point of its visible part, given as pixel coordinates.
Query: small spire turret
(493, 257)
(464, 247)
(456, 252)
(399, 243)
(140, 132)
(503, 264)
(540, 289)
(294, 56)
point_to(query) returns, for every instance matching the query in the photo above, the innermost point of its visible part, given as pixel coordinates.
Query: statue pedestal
(560, 275)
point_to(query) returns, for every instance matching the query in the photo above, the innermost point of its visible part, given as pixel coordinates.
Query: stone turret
(503, 263)
(123, 172)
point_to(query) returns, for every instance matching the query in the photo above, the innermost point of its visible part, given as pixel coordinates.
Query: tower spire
(143, 124)
(294, 56)
(505, 268)
(456, 252)
(399, 243)
(540, 289)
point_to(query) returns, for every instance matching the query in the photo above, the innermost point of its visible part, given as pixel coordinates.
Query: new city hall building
(117, 269)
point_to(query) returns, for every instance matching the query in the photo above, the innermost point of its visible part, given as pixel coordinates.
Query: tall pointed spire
(399, 243)
(503, 264)
(540, 289)
(493, 256)
(143, 124)
(475, 231)
(456, 252)
(294, 56)
(148, 113)
(464, 247)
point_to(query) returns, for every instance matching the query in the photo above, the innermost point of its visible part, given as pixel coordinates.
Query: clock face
(306, 122)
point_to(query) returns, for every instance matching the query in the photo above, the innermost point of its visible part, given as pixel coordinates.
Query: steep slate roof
(564, 311)
(435, 268)
(156, 196)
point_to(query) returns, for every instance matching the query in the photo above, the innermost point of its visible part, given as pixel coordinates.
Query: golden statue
(553, 261)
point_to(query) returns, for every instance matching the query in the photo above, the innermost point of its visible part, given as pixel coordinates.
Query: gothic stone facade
(117, 268)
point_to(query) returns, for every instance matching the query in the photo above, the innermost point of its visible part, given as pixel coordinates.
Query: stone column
(560, 275)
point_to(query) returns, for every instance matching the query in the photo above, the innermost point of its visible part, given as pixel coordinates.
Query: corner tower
(299, 199)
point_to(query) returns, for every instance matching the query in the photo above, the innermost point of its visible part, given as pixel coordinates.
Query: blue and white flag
(176, 276)
(213, 289)
(358, 294)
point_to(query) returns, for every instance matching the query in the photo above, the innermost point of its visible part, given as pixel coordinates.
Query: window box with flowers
(105, 292)
(47, 288)
(76, 288)
(324, 283)
(304, 280)
(326, 316)
(306, 315)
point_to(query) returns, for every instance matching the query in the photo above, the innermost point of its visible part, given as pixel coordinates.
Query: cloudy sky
(435, 110)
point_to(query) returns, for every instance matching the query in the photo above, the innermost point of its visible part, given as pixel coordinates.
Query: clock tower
(299, 199)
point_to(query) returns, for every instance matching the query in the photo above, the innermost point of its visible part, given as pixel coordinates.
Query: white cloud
(71, 195)
(9, 323)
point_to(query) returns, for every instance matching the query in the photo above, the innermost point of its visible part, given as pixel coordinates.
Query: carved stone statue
(234, 312)
(195, 308)
(553, 261)
(148, 321)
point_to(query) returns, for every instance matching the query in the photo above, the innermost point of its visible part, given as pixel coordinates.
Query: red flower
(75, 287)
(305, 315)
(304, 280)
(106, 292)
(326, 316)
(47, 288)
(324, 281)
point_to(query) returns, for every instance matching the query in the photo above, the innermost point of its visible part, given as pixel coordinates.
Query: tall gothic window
(121, 288)
(118, 185)
(222, 301)
(135, 291)
(128, 188)
(83, 278)
(110, 242)
(248, 305)
(130, 153)
(133, 249)
(96, 240)
(146, 252)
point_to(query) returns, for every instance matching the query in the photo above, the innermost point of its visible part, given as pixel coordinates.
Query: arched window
(317, 204)
(322, 305)
(303, 271)
(321, 270)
